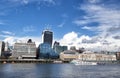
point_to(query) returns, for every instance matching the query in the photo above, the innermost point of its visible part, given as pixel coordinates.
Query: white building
(90, 56)
(68, 55)
(24, 50)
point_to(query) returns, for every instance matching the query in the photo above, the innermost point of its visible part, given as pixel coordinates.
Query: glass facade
(47, 37)
(45, 51)
(59, 49)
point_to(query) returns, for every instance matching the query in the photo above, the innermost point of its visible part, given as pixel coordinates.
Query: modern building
(57, 48)
(2, 46)
(24, 50)
(68, 55)
(45, 51)
(47, 37)
(118, 55)
(6, 46)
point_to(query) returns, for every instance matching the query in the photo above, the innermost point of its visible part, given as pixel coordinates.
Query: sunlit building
(68, 55)
(24, 50)
(90, 56)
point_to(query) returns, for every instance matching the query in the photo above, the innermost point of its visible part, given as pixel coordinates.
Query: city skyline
(92, 24)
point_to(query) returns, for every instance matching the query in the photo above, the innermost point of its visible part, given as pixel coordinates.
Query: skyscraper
(47, 37)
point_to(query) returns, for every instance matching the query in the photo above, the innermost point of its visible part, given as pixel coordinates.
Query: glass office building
(47, 37)
(59, 48)
(45, 51)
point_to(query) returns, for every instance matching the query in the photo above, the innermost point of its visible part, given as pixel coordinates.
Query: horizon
(92, 24)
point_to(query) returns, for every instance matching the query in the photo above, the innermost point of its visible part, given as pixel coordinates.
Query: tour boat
(80, 62)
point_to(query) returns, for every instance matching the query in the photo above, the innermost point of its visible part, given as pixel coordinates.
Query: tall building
(2, 46)
(24, 50)
(47, 37)
(6, 46)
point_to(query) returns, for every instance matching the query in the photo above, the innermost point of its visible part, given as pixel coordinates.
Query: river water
(58, 71)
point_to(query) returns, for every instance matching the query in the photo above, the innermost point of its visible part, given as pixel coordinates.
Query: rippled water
(58, 71)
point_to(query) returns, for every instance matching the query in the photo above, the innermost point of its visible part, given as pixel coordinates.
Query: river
(29, 70)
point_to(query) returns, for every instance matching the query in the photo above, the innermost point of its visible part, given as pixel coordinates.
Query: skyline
(92, 24)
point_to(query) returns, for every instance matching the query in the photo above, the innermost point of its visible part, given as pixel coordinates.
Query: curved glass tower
(47, 37)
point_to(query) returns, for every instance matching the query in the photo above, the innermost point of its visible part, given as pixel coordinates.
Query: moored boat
(80, 62)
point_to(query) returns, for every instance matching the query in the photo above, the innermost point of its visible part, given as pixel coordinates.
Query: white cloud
(69, 38)
(108, 24)
(62, 24)
(29, 28)
(94, 43)
(94, 1)
(7, 33)
(13, 39)
(87, 28)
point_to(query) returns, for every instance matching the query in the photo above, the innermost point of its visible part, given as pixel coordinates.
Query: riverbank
(32, 61)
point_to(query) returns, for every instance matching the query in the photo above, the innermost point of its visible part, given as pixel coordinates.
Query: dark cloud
(116, 37)
(89, 41)
(114, 29)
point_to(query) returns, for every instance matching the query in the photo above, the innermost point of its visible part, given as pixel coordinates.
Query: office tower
(6, 46)
(2, 46)
(47, 37)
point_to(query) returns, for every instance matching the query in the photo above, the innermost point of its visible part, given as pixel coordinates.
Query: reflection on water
(58, 71)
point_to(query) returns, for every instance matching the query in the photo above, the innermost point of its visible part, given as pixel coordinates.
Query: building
(47, 37)
(6, 47)
(24, 50)
(46, 52)
(90, 56)
(57, 48)
(118, 55)
(68, 55)
(2, 47)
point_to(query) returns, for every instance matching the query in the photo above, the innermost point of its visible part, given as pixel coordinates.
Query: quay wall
(31, 61)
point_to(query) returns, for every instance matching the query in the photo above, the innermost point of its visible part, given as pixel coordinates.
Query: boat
(57, 62)
(80, 62)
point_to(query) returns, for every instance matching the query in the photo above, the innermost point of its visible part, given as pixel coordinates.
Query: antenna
(47, 27)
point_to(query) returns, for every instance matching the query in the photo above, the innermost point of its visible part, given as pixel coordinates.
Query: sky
(92, 24)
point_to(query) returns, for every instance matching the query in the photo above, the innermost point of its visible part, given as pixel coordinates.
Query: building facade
(68, 55)
(47, 37)
(2, 46)
(58, 48)
(24, 50)
(45, 51)
(89, 56)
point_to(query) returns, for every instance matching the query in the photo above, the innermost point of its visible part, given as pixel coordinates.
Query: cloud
(7, 5)
(87, 28)
(7, 33)
(62, 24)
(14, 39)
(107, 16)
(95, 43)
(28, 29)
(116, 37)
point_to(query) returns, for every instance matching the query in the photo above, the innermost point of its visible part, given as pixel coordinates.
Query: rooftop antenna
(48, 27)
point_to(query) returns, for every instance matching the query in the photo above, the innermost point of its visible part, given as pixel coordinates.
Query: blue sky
(93, 24)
